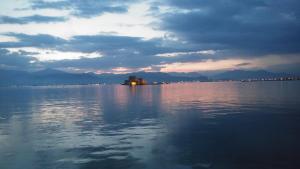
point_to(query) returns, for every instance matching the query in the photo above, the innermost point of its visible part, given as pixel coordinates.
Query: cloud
(30, 19)
(40, 4)
(109, 52)
(15, 60)
(267, 62)
(243, 64)
(176, 54)
(52, 54)
(116, 51)
(257, 27)
(84, 9)
(40, 40)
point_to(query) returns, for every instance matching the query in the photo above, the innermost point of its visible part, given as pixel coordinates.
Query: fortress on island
(133, 80)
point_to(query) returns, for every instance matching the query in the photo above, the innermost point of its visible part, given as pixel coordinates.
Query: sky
(121, 36)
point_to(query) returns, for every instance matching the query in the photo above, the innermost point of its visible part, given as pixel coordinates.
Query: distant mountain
(149, 77)
(45, 77)
(48, 72)
(243, 74)
(166, 77)
(56, 77)
(52, 76)
(187, 74)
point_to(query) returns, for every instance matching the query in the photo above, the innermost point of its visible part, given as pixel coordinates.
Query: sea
(195, 125)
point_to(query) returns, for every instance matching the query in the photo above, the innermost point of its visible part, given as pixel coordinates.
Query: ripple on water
(190, 125)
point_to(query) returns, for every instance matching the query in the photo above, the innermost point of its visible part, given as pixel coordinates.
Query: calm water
(228, 125)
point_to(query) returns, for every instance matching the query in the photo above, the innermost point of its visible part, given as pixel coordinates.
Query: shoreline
(155, 84)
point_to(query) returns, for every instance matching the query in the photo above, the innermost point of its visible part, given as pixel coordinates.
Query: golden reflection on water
(198, 95)
(121, 95)
(173, 96)
(149, 124)
(125, 95)
(89, 103)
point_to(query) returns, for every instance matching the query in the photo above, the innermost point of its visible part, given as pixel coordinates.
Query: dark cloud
(117, 51)
(243, 64)
(220, 4)
(134, 61)
(15, 60)
(115, 45)
(109, 44)
(233, 28)
(86, 8)
(40, 40)
(252, 27)
(30, 19)
(40, 4)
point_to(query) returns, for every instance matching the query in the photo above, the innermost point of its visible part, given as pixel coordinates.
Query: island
(133, 81)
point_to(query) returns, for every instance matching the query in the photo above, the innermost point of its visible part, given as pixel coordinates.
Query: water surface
(229, 125)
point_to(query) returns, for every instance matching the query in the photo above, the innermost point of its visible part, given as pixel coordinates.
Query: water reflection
(189, 125)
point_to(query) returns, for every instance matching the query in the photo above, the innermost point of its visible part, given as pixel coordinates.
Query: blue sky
(122, 36)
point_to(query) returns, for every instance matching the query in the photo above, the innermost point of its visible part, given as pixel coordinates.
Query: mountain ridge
(58, 77)
(246, 74)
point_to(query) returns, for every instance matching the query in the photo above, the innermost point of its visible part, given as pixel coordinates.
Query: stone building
(133, 80)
